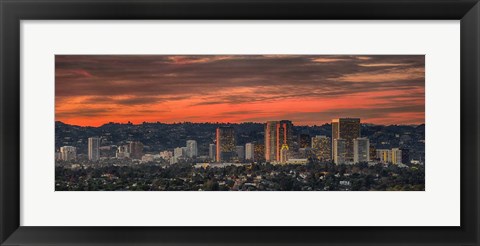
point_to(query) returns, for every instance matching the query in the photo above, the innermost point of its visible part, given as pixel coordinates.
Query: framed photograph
(239, 122)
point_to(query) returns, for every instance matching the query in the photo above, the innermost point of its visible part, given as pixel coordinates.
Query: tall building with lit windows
(277, 134)
(94, 148)
(361, 150)
(284, 153)
(250, 151)
(384, 155)
(271, 140)
(347, 129)
(322, 147)
(373, 153)
(212, 152)
(259, 152)
(225, 143)
(396, 156)
(339, 148)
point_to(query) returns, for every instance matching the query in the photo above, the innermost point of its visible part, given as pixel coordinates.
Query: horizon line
(224, 123)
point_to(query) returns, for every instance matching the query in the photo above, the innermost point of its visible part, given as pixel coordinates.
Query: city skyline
(279, 145)
(308, 90)
(273, 156)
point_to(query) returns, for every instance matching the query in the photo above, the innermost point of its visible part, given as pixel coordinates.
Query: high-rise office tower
(277, 133)
(373, 153)
(259, 152)
(284, 153)
(396, 156)
(136, 150)
(212, 151)
(361, 150)
(347, 129)
(226, 150)
(250, 151)
(270, 140)
(68, 153)
(285, 133)
(322, 147)
(191, 148)
(94, 148)
(240, 152)
(339, 148)
(384, 155)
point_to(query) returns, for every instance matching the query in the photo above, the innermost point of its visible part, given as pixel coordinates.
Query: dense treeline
(310, 177)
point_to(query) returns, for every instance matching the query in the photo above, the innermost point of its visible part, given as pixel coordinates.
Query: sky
(91, 90)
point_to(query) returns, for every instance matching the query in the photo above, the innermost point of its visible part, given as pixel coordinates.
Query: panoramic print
(239, 123)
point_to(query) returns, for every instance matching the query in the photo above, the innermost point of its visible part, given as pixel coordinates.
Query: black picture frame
(13, 11)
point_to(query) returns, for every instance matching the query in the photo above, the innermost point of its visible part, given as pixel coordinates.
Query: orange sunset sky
(91, 90)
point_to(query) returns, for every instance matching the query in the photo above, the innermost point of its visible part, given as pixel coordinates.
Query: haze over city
(92, 90)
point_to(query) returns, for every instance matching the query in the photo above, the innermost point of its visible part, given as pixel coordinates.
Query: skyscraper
(191, 148)
(270, 140)
(277, 133)
(384, 155)
(347, 129)
(212, 151)
(136, 150)
(285, 135)
(94, 148)
(259, 152)
(396, 156)
(339, 148)
(322, 147)
(226, 150)
(361, 150)
(250, 151)
(240, 152)
(373, 153)
(68, 153)
(284, 153)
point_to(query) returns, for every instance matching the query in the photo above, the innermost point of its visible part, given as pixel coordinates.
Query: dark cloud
(85, 112)
(137, 100)
(147, 75)
(365, 113)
